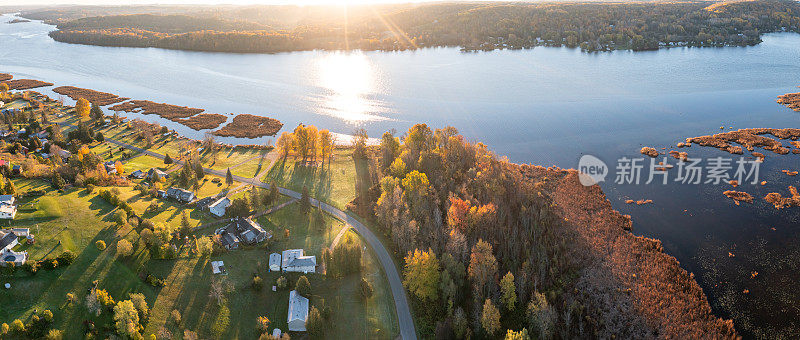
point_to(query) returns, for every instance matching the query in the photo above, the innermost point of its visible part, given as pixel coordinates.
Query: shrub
(55, 334)
(366, 289)
(49, 264)
(281, 282)
(100, 244)
(89, 188)
(66, 258)
(31, 267)
(155, 281)
(258, 283)
(47, 315)
(262, 324)
(303, 287)
(175, 317)
(17, 326)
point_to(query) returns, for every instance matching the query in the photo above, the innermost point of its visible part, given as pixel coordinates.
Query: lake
(546, 106)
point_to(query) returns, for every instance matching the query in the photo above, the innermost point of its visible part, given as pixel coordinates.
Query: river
(546, 106)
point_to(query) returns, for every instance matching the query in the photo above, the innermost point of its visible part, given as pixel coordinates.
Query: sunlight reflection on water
(349, 81)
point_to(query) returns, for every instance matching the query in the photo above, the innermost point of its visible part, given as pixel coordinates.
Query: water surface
(546, 106)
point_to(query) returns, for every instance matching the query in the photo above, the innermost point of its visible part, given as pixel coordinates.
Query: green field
(74, 220)
(334, 183)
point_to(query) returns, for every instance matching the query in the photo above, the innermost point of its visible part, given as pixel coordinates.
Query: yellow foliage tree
(119, 167)
(83, 107)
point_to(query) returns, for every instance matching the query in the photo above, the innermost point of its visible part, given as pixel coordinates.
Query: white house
(8, 240)
(8, 207)
(218, 208)
(274, 262)
(293, 260)
(298, 312)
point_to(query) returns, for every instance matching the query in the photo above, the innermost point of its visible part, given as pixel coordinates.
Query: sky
(208, 2)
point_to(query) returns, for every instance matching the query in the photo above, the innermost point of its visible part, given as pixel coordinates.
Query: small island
(17, 21)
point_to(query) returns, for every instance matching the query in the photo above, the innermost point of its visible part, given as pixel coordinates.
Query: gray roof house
(138, 174)
(8, 240)
(181, 195)
(241, 230)
(293, 260)
(298, 312)
(156, 174)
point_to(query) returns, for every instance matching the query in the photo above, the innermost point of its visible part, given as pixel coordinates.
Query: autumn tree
(360, 139)
(421, 274)
(509, 291)
(285, 144)
(541, 316)
(326, 144)
(4, 89)
(124, 248)
(126, 319)
(521, 335)
(83, 108)
(490, 318)
(482, 267)
(390, 149)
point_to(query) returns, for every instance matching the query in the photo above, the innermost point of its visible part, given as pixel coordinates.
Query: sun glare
(348, 79)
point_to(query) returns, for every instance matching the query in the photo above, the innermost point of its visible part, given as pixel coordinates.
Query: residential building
(219, 206)
(156, 174)
(298, 312)
(8, 207)
(274, 262)
(8, 240)
(293, 260)
(181, 195)
(241, 230)
(138, 174)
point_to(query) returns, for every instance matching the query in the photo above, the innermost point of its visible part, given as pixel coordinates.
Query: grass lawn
(334, 183)
(74, 220)
(69, 221)
(145, 163)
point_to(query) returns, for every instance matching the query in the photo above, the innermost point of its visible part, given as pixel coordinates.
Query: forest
(491, 249)
(471, 26)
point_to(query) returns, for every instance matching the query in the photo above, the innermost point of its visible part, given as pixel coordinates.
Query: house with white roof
(8, 207)
(219, 206)
(293, 260)
(274, 262)
(298, 312)
(9, 240)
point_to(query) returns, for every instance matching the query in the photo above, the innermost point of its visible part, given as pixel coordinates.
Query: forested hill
(472, 26)
(160, 23)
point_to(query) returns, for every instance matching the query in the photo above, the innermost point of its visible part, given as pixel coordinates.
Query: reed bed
(250, 126)
(96, 97)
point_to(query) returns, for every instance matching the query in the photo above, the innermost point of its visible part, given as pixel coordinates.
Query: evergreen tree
(229, 177)
(167, 159)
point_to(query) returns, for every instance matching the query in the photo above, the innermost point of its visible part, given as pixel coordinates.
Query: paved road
(405, 321)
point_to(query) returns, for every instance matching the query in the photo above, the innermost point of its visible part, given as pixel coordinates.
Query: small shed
(218, 267)
(274, 262)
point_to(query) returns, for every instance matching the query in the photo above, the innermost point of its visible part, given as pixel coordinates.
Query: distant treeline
(472, 26)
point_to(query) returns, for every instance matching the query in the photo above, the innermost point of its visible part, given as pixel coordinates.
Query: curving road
(404, 319)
